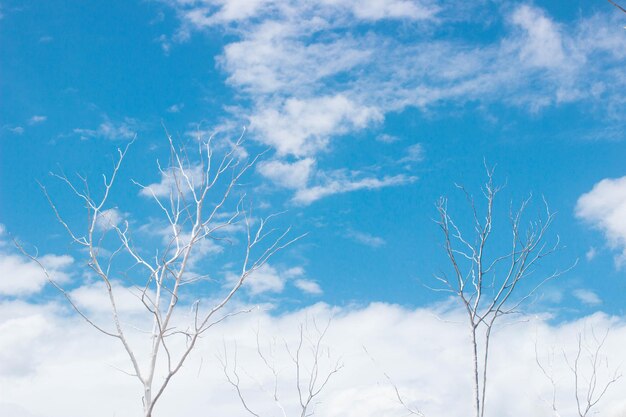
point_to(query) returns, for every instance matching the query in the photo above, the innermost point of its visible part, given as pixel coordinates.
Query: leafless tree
(590, 382)
(489, 279)
(312, 367)
(200, 205)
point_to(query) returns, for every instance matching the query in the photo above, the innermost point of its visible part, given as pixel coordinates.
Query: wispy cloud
(293, 175)
(37, 119)
(110, 130)
(310, 186)
(414, 153)
(272, 279)
(591, 254)
(339, 183)
(587, 297)
(314, 71)
(174, 181)
(386, 138)
(175, 108)
(366, 239)
(18, 130)
(307, 88)
(308, 286)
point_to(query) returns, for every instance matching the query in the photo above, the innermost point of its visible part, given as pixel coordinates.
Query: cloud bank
(66, 364)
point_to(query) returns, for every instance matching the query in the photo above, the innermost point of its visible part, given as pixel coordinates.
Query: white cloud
(18, 130)
(414, 153)
(228, 11)
(110, 130)
(314, 71)
(604, 208)
(285, 63)
(174, 181)
(591, 254)
(108, 219)
(20, 276)
(22, 334)
(542, 45)
(587, 297)
(340, 184)
(214, 12)
(366, 239)
(289, 175)
(272, 279)
(294, 59)
(304, 126)
(37, 119)
(386, 138)
(175, 108)
(387, 9)
(9, 409)
(308, 286)
(72, 365)
(203, 248)
(263, 280)
(308, 188)
(94, 298)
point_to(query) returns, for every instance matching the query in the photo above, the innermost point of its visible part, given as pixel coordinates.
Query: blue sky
(368, 111)
(408, 98)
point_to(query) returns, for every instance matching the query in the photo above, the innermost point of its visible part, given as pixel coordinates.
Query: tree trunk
(147, 402)
(476, 373)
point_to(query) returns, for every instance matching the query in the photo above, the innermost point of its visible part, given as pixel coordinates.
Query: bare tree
(312, 367)
(488, 279)
(200, 205)
(590, 382)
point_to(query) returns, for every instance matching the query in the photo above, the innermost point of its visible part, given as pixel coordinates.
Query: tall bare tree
(200, 206)
(489, 279)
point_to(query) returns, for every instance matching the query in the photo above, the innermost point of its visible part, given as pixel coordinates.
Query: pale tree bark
(195, 208)
(491, 281)
(590, 370)
(311, 364)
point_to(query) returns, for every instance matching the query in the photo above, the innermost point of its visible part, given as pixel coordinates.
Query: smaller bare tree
(489, 280)
(311, 365)
(590, 382)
